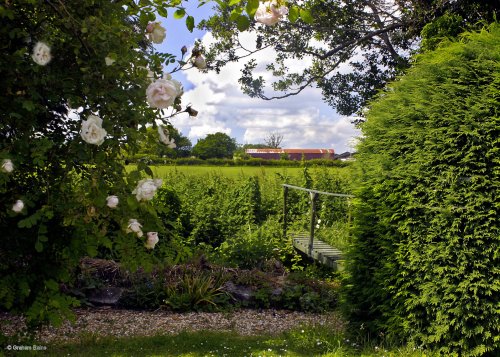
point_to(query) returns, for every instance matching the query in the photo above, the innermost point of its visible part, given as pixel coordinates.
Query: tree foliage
(218, 145)
(425, 261)
(349, 49)
(99, 64)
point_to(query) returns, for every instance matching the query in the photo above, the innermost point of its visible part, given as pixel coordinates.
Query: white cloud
(304, 120)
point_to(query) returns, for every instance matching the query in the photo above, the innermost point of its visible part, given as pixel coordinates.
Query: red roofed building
(293, 154)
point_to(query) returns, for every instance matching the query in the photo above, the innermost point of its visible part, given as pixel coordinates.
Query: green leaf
(235, 14)
(252, 6)
(293, 13)
(28, 105)
(306, 16)
(242, 23)
(132, 202)
(179, 13)
(234, 2)
(38, 246)
(91, 250)
(51, 285)
(190, 23)
(162, 11)
(148, 171)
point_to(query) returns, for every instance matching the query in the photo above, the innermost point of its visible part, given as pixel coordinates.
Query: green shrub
(252, 246)
(425, 262)
(197, 290)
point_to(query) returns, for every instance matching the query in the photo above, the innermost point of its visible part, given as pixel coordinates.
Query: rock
(105, 296)
(238, 292)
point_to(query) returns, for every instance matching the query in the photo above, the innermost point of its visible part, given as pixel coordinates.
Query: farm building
(293, 154)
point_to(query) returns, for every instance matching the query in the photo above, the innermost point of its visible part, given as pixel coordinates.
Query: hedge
(425, 262)
(155, 160)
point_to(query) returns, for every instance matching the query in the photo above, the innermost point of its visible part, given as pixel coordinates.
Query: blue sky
(304, 120)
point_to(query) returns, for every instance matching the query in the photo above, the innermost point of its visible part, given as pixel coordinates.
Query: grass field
(228, 171)
(315, 341)
(163, 171)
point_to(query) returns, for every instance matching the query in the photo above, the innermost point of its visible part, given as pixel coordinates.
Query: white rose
(146, 189)
(7, 165)
(269, 13)
(92, 131)
(156, 32)
(135, 227)
(18, 206)
(109, 61)
(152, 240)
(112, 201)
(162, 93)
(199, 62)
(164, 138)
(41, 54)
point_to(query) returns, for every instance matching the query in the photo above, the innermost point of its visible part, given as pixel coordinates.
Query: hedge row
(155, 160)
(425, 265)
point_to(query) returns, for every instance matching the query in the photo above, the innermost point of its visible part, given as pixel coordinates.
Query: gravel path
(120, 323)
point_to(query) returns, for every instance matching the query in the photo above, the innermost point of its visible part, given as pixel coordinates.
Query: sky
(304, 120)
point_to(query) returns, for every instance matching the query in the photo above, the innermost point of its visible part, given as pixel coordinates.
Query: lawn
(312, 341)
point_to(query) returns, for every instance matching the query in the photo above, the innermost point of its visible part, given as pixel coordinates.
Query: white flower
(156, 32)
(164, 138)
(199, 62)
(162, 93)
(134, 226)
(18, 206)
(41, 54)
(146, 189)
(109, 61)
(92, 131)
(7, 165)
(112, 201)
(152, 240)
(269, 13)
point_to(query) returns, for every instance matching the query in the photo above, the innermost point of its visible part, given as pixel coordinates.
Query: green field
(228, 171)
(163, 171)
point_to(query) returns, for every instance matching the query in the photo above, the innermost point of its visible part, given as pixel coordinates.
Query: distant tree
(183, 145)
(218, 145)
(241, 150)
(273, 140)
(254, 146)
(151, 145)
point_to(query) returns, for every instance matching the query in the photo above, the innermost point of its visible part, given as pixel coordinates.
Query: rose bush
(270, 12)
(163, 92)
(92, 131)
(165, 139)
(112, 201)
(7, 165)
(41, 54)
(146, 189)
(199, 62)
(18, 206)
(64, 189)
(156, 32)
(134, 227)
(152, 240)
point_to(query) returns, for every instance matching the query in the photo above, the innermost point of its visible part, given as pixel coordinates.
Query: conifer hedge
(425, 263)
